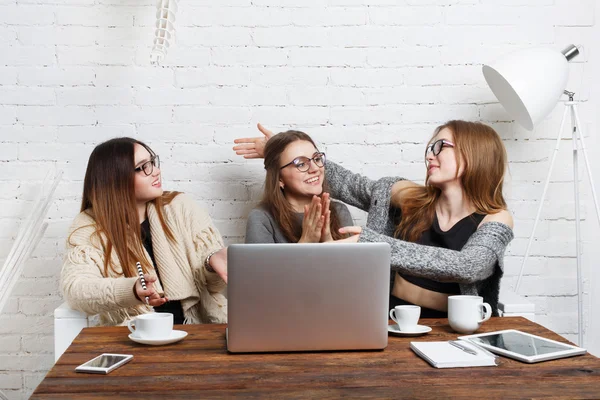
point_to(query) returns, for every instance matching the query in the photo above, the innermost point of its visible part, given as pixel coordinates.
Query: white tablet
(523, 346)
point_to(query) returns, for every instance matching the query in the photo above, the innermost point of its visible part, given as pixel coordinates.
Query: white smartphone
(104, 363)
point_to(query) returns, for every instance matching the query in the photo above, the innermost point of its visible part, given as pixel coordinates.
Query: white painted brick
(322, 96)
(32, 380)
(11, 306)
(248, 96)
(182, 133)
(403, 56)
(90, 56)
(567, 15)
(94, 16)
(291, 115)
(519, 3)
(51, 115)
(8, 115)
(118, 36)
(137, 114)
(203, 153)
(8, 152)
(11, 380)
(214, 36)
(20, 324)
(438, 113)
(287, 3)
(46, 267)
(327, 57)
(290, 36)
(204, 191)
(132, 77)
(172, 96)
(330, 16)
(93, 134)
(407, 15)
(227, 76)
(191, 57)
(24, 171)
(226, 3)
(237, 16)
(231, 209)
(366, 36)
(52, 35)
(496, 15)
(297, 76)
(88, 96)
(26, 15)
(14, 95)
(27, 362)
(53, 76)
(8, 76)
(28, 55)
(367, 77)
(366, 115)
(249, 56)
(40, 306)
(8, 36)
(559, 322)
(211, 115)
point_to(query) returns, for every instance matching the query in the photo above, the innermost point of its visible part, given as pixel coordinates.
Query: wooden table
(200, 367)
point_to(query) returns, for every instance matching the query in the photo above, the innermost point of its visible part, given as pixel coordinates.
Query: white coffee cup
(406, 317)
(152, 326)
(467, 313)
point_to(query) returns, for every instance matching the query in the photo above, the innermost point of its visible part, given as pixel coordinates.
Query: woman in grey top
(295, 206)
(466, 162)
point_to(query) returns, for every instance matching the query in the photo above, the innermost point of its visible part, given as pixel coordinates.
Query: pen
(463, 347)
(142, 280)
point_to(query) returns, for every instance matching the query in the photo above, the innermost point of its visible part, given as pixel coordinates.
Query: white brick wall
(369, 79)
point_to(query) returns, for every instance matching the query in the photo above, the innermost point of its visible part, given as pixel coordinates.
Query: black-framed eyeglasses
(437, 146)
(303, 163)
(148, 166)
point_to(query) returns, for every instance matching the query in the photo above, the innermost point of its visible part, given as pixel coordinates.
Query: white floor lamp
(528, 84)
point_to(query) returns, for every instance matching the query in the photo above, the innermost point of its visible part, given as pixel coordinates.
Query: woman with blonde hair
(295, 207)
(447, 236)
(127, 218)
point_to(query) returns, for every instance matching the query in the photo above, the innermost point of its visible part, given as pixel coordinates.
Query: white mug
(406, 317)
(152, 326)
(467, 313)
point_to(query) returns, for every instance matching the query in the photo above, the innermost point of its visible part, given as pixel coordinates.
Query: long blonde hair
(481, 153)
(109, 198)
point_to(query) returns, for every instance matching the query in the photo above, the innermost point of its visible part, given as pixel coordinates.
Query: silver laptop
(307, 297)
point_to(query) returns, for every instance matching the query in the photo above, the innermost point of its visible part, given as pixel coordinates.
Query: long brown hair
(273, 197)
(109, 197)
(482, 152)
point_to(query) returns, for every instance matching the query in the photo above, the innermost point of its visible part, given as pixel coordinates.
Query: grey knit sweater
(477, 268)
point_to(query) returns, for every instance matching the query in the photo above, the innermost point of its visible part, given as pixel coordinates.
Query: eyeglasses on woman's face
(148, 166)
(437, 146)
(303, 163)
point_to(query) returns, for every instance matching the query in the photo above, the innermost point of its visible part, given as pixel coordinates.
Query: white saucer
(176, 336)
(419, 330)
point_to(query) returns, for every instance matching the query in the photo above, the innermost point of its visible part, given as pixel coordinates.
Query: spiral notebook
(447, 355)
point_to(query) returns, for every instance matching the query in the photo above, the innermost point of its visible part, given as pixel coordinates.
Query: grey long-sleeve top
(477, 268)
(262, 227)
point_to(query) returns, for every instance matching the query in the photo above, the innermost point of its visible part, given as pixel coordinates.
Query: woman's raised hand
(253, 147)
(326, 231)
(312, 224)
(154, 298)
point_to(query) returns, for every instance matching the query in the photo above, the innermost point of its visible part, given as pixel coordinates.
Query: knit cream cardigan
(181, 266)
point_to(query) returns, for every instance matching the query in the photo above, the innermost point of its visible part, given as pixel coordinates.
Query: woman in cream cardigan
(127, 218)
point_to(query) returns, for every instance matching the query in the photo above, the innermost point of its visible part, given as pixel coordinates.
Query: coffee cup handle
(488, 312)
(129, 325)
(393, 315)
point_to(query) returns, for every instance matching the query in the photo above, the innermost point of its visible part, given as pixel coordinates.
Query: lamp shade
(528, 83)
